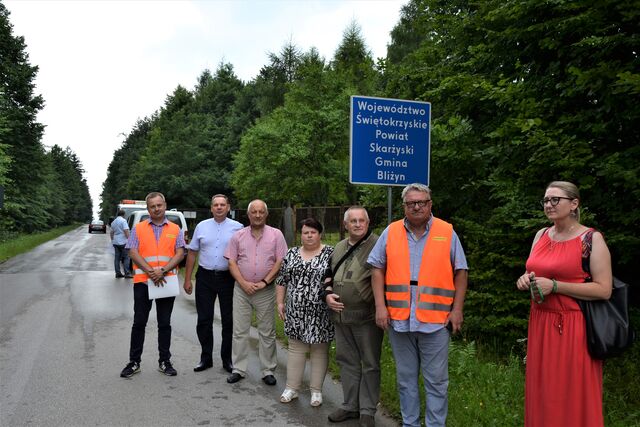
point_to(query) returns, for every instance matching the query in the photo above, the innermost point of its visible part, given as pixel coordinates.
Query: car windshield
(97, 222)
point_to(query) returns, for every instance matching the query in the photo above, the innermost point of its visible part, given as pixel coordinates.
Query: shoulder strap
(331, 272)
(587, 243)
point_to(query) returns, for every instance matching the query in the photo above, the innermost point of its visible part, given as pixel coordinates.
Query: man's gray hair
(353, 208)
(266, 208)
(416, 186)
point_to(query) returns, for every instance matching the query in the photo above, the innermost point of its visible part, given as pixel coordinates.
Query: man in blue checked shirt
(419, 282)
(156, 247)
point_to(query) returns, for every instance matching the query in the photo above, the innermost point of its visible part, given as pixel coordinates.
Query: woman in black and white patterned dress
(306, 317)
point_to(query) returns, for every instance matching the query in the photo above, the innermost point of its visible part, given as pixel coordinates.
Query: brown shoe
(367, 420)
(340, 415)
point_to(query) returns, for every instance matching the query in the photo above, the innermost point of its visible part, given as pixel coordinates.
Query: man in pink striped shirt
(255, 254)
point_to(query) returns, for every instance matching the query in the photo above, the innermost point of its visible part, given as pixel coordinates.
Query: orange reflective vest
(155, 253)
(435, 280)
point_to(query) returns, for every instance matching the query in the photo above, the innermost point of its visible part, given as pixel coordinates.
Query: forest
(522, 93)
(44, 187)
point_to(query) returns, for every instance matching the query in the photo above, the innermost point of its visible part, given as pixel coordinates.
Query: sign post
(390, 142)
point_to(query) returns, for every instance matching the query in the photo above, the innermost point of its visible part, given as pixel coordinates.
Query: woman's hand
(545, 285)
(281, 310)
(524, 282)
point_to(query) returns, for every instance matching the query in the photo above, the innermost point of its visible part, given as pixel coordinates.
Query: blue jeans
(121, 255)
(416, 352)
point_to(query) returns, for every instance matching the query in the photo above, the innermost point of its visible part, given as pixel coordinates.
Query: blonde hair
(571, 190)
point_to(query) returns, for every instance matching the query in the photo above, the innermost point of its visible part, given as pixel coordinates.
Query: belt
(214, 272)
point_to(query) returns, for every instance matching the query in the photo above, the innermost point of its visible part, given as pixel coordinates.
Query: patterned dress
(306, 313)
(563, 383)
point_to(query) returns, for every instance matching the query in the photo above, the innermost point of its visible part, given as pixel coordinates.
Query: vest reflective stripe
(433, 306)
(397, 288)
(435, 290)
(155, 253)
(157, 258)
(397, 304)
(139, 271)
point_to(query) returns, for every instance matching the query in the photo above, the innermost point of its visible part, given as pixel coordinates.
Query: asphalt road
(65, 324)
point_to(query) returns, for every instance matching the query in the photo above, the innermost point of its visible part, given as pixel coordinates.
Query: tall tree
(272, 82)
(24, 208)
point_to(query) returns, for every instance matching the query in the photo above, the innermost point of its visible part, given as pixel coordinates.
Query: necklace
(553, 236)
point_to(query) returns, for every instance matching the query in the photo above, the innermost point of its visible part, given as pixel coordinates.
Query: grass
(16, 244)
(487, 389)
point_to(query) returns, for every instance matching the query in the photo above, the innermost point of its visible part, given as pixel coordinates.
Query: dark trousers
(211, 284)
(121, 255)
(141, 308)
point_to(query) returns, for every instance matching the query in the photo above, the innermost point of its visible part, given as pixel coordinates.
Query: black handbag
(609, 332)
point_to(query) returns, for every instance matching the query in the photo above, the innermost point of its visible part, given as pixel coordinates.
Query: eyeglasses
(553, 200)
(418, 203)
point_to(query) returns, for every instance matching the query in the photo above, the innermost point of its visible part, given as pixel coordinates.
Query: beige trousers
(263, 302)
(297, 358)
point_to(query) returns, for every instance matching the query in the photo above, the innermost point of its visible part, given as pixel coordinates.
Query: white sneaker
(288, 395)
(316, 398)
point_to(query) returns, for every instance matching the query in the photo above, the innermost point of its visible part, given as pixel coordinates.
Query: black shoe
(128, 276)
(234, 378)
(269, 380)
(119, 276)
(227, 366)
(166, 368)
(340, 415)
(130, 369)
(201, 366)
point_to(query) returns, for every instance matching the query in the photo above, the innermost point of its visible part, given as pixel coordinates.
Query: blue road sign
(390, 141)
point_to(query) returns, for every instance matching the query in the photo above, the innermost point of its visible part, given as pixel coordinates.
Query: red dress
(563, 383)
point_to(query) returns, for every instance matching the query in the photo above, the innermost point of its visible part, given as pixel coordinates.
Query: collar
(164, 221)
(426, 230)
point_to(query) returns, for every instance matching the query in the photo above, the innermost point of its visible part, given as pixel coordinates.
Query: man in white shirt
(213, 280)
(119, 236)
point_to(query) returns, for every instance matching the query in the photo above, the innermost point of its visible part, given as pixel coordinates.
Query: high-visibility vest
(435, 280)
(155, 253)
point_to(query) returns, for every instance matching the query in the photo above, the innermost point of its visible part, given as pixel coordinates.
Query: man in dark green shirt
(358, 339)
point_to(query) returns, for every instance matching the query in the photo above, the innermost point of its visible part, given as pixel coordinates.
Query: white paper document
(170, 289)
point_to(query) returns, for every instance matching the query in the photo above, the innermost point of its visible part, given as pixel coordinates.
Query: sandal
(316, 398)
(288, 395)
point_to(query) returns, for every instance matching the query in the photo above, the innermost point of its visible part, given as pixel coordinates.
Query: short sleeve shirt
(378, 259)
(256, 257)
(118, 226)
(210, 239)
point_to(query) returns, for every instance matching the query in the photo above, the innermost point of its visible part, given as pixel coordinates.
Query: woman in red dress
(563, 382)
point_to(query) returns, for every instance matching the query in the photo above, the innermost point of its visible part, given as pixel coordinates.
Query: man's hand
(187, 286)
(249, 288)
(455, 318)
(382, 317)
(333, 302)
(157, 275)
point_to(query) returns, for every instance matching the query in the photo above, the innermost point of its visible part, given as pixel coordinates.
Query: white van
(174, 216)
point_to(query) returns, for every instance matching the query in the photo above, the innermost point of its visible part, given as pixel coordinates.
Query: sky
(105, 64)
